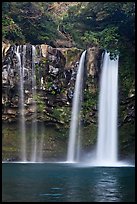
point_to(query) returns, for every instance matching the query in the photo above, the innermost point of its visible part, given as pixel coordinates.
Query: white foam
(78, 164)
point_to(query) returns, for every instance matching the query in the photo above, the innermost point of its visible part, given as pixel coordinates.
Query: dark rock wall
(55, 73)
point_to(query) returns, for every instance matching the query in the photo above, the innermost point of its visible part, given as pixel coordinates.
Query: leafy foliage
(10, 30)
(31, 19)
(105, 24)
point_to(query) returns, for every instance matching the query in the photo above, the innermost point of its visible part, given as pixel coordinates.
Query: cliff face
(55, 74)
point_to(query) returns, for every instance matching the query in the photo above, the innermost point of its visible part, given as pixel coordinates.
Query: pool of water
(64, 182)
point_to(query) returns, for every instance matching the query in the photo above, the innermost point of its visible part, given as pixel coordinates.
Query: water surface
(62, 182)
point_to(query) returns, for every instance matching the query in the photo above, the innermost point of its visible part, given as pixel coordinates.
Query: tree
(106, 24)
(31, 22)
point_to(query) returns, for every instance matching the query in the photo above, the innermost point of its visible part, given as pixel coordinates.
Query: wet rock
(55, 74)
(5, 77)
(12, 111)
(93, 61)
(44, 50)
(5, 48)
(53, 70)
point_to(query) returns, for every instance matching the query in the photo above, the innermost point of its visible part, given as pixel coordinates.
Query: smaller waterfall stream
(108, 108)
(34, 121)
(21, 103)
(74, 137)
(22, 61)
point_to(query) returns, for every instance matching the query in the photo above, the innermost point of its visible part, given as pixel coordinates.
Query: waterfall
(21, 102)
(74, 134)
(34, 121)
(108, 108)
(22, 61)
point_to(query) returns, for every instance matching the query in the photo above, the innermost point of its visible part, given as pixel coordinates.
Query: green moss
(126, 136)
(89, 135)
(72, 55)
(44, 61)
(40, 103)
(10, 141)
(62, 114)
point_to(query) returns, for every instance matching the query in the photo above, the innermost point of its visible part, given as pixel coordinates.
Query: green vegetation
(40, 103)
(103, 24)
(28, 20)
(62, 114)
(71, 55)
(126, 144)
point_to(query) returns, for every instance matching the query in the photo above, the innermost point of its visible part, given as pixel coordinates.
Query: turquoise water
(62, 182)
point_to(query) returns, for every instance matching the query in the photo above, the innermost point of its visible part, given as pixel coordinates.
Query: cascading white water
(73, 145)
(36, 150)
(108, 109)
(34, 121)
(21, 102)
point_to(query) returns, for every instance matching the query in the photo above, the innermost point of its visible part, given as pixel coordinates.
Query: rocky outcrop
(5, 48)
(93, 62)
(55, 73)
